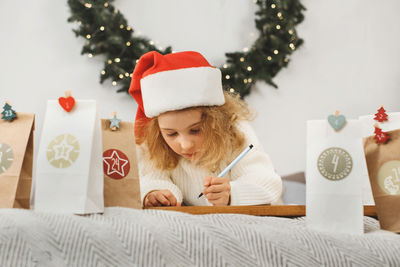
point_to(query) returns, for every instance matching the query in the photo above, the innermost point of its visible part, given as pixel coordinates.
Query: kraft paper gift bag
(367, 123)
(16, 159)
(69, 175)
(121, 179)
(335, 161)
(383, 161)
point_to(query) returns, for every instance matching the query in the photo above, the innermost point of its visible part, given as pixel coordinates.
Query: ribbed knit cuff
(249, 194)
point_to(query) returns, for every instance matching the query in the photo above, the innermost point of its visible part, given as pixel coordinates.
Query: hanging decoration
(107, 33)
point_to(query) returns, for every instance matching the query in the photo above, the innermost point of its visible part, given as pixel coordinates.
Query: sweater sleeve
(152, 178)
(253, 179)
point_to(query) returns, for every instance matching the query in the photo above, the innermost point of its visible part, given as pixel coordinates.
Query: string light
(117, 59)
(109, 61)
(88, 36)
(151, 43)
(121, 76)
(269, 58)
(241, 59)
(88, 5)
(278, 27)
(292, 46)
(128, 43)
(121, 26)
(114, 83)
(128, 28)
(245, 80)
(105, 4)
(279, 15)
(290, 31)
(116, 11)
(249, 68)
(276, 52)
(286, 59)
(273, 6)
(79, 22)
(225, 66)
(249, 80)
(245, 49)
(103, 72)
(90, 55)
(101, 28)
(126, 74)
(232, 90)
(137, 60)
(227, 77)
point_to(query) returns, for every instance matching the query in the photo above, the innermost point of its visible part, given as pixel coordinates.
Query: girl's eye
(194, 131)
(171, 134)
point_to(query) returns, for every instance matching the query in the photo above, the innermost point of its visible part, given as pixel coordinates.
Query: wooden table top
(260, 210)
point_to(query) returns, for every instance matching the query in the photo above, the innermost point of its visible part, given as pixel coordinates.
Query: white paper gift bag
(367, 124)
(69, 175)
(335, 162)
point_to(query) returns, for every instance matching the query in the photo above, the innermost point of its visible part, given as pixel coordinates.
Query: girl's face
(181, 131)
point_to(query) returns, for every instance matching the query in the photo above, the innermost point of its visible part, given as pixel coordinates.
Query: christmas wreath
(107, 33)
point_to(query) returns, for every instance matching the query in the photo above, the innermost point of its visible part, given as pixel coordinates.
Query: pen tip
(200, 195)
(251, 146)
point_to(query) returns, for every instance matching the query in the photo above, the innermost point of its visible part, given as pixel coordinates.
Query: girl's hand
(217, 191)
(160, 198)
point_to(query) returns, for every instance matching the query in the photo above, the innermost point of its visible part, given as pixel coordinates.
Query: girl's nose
(186, 143)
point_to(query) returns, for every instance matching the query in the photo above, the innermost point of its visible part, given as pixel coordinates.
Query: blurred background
(350, 61)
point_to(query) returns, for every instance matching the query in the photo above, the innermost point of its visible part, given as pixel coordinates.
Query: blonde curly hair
(218, 125)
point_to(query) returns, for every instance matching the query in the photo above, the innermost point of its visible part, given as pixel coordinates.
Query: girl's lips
(189, 155)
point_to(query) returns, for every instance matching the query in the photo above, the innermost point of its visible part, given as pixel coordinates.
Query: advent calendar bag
(383, 161)
(367, 122)
(121, 179)
(69, 176)
(16, 156)
(335, 162)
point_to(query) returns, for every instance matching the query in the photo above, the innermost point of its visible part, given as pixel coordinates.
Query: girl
(188, 130)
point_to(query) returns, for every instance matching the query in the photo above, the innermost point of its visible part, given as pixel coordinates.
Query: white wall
(350, 61)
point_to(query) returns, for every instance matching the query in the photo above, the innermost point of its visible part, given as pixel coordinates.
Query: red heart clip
(68, 102)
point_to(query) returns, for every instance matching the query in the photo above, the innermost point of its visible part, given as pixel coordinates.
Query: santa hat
(162, 83)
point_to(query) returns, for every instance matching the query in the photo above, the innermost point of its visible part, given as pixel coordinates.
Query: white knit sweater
(253, 179)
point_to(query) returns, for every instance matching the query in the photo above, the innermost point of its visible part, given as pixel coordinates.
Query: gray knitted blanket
(128, 237)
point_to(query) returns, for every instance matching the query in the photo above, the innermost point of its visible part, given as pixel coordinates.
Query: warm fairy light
(225, 66)
(116, 11)
(279, 15)
(79, 22)
(245, 80)
(137, 60)
(151, 43)
(278, 27)
(105, 4)
(117, 59)
(109, 61)
(88, 5)
(249, 68)
(103, 72)
(245, 49)
(128, 28)
(88, 36)
(232, 90)
(101, 28)
(249, 80)
(273, 6)
(241, 59)
(269, 57)
(276, 52)
(121, 76)
(286, 59)
(90, 55)
(227, 77)
(114, 83)
(126, 74)
(130, 75)
(292, 46)
(128, 43)
(121, 26)
(290, 31)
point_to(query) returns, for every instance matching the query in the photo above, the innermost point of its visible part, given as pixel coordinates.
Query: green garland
(107, 33)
